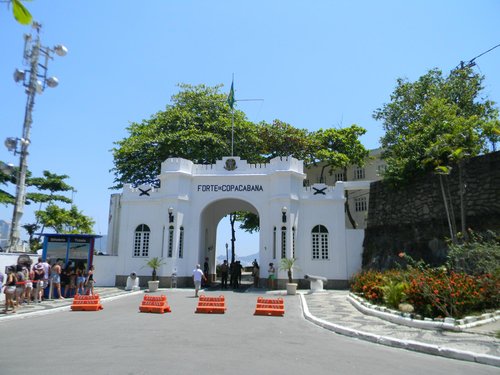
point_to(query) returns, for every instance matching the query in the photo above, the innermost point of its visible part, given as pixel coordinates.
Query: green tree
(53, 183)
(62, 220)
(5, 196)
(434, 123)
(282, 139)
(410, 124)
(339, 149)
(196, 126)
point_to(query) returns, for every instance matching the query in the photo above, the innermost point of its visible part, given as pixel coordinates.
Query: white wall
(105, 270)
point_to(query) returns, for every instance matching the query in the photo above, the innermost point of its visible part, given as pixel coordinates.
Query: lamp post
(283, 214)
(35, 80)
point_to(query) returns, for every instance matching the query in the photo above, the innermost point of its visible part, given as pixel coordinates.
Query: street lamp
(283, 214)
(35, 80)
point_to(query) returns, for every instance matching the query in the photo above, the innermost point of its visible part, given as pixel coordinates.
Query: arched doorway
(210, 218)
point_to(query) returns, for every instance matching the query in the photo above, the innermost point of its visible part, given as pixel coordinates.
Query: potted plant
(288, 264)
(154, 263)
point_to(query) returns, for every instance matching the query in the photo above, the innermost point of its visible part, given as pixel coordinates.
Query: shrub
(394, 293)
(479, 255)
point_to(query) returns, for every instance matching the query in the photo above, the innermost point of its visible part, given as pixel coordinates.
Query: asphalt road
(120, 340)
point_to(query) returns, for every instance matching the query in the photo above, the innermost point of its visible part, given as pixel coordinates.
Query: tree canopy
(426, 121)
(196, 126)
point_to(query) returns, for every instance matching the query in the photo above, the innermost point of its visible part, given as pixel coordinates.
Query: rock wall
(413, 218)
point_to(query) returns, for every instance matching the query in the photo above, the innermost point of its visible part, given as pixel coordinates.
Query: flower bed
(433, 292)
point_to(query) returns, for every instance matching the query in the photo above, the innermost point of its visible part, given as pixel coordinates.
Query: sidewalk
(332, 310)
(48, 306)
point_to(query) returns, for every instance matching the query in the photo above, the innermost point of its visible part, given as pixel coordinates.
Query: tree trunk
(232, 220)
(462, 201)
(452, 234)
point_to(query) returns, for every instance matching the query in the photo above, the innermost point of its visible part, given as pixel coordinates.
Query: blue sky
(316, 64)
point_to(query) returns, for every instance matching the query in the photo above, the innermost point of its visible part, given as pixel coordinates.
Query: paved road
(120, 340)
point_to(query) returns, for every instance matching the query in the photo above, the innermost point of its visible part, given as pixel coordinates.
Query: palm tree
(288, 264)
(155, 263)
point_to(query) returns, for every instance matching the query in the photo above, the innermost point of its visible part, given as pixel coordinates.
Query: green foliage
(427, 121)
(339, 148)
(394, 292)
(196, 126)
(369, 284)
(64, 221)
(282, 139)
(155, 263)
(21, 14)
(249, 221)
(288, 264)
(478, 256)
(433, 292)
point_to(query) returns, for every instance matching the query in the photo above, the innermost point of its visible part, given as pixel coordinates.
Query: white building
(358, 200)
(178, 221)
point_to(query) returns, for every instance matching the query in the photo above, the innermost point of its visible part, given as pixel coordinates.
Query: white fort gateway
(178, 221)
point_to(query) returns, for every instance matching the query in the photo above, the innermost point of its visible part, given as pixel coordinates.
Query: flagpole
(232, 122)
(231, 100)
(232, 131)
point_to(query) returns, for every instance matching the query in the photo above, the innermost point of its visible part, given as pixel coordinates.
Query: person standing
(71, 288)
(197, 277)
(256, 273)
(10, 289)
(90, 282)
(38, 276)
(206, 271)
(80, 279)
(224, 271)
(271, 276)
(56, 278)
(28, 286)
(46, 275)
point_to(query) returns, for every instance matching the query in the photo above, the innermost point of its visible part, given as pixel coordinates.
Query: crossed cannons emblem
(144, 192)
(319, 191)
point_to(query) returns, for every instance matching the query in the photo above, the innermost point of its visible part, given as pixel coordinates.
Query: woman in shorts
(271, 276)
(10, 289)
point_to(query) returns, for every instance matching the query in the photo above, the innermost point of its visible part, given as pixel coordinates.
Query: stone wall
(413, 218)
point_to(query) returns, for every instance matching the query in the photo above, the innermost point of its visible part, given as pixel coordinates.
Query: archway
(210, 219)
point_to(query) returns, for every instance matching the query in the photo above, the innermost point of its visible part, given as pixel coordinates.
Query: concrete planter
(153, 285)
(291, 289)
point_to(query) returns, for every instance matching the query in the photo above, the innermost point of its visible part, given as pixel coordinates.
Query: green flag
(230, 97)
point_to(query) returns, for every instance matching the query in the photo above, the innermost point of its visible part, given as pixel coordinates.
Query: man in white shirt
(197, 277)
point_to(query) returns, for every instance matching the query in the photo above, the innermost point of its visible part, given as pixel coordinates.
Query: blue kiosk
(72, 249)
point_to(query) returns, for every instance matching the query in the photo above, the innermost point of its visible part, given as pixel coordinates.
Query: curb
(402, 344)
(366, 308)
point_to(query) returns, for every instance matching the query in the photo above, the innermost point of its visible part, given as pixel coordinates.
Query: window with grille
(359, 173)
(181, 242)
(170, 241)
(141, 241)
(293, 242)
(381, 169)
(339, 176)
(360, 204)
(283, 242)
(319, 242)
(274, 243)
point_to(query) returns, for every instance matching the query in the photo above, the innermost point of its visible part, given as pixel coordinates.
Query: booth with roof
(71, 251)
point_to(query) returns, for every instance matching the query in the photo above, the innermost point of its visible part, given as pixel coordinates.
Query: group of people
(231, 273)
(24, 283)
